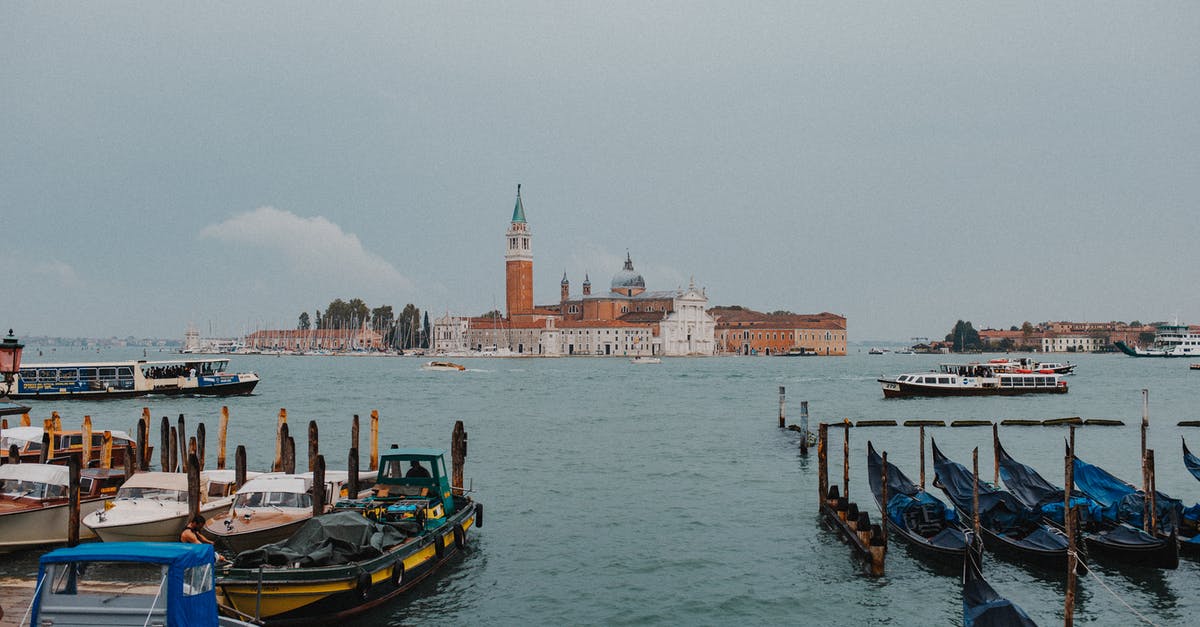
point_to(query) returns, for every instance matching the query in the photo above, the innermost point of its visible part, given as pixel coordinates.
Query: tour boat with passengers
(1172, 340)
(972, 380)
(126, 379)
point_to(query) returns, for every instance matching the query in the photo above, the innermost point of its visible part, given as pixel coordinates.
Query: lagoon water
(666, 494)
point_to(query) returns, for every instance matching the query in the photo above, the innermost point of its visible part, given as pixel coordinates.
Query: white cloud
(314, 247)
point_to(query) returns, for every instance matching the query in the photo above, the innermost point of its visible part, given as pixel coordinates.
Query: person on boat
(416, 470)
(191, 533)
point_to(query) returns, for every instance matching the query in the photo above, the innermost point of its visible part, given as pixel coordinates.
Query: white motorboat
(33, 501)
(153, 507)
(644, 359)
(443, 365)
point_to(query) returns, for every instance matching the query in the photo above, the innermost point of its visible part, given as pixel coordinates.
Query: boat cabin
(127, 583)
(415, 472)
(28, 441)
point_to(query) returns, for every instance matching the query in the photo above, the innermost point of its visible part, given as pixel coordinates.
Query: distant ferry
(1172, 340)
(127, 379)
(972, 380)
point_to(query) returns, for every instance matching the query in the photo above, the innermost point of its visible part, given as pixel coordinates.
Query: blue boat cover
(908, 503)
(984, 607)
(998, 510)
(192, 609)
(1036, 492)
(1121, 501)
(1191, 461)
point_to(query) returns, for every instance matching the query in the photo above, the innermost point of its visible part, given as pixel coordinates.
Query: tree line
(409, 329)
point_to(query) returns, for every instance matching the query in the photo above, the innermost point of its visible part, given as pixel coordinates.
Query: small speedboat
(443, 365)
(34, 505)
(644, 359)
(153, 506)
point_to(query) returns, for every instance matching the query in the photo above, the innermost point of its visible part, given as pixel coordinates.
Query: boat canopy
(163, 480)
(23, 435)
(1122, 502)
(39, 473)
(190, 564)
(276, 483)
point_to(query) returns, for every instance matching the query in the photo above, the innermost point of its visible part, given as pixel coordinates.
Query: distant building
(747, 332)
(301, 340)
(1066, 337)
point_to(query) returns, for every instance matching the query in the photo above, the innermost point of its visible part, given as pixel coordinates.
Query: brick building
(748, 332)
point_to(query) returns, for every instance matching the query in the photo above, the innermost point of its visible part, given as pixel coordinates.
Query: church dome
(628, 277)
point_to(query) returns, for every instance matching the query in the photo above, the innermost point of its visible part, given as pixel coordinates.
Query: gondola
(1010, 529)
(1104, 539)
(984, 607)
(1191, 461)
(916, 516)
(1124, 503)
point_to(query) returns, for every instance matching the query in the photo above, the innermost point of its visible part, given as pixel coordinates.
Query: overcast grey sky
(903, 164)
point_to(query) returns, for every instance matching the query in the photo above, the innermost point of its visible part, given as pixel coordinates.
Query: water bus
(972, 380)
(126, 379)
(1172, 340)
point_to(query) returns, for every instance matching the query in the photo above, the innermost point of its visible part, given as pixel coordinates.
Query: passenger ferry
(1172, 340)
(125, 379)
(972, 380)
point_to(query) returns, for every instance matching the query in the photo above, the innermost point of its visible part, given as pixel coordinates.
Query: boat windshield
(15, 488)
(271, 499)
(106, 580)
(157, 494)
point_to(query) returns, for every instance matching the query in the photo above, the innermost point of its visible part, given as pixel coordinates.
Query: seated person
(416, 470)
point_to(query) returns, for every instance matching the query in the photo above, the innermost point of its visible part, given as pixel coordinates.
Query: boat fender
(398, 573)
(439, 545)
(460, 538)
(363, 586)
(479, 514)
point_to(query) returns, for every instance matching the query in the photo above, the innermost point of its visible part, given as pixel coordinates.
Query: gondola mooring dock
(867, 540)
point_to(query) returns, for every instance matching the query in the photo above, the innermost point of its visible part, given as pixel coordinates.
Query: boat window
(272, 499)
(89, 577)
(86, 484)
(197, 579)
(943, 380)
(47, 375)
(15, 488)
(68, 374)
(108, 373)
(28, 374)
(156, 494)
(125, 372)
(87, 374)
(1006, 382)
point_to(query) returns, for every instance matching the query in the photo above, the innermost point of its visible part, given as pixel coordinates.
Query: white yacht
(153, 506)
(1172, 340)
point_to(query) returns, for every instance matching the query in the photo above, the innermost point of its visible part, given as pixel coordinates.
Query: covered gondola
(1009, 528)
(1123, 502)
(1191, 461)
(916, 516)
(984, 607)
(1104, 539)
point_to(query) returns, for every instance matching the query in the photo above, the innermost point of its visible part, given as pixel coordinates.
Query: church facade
(627, 320)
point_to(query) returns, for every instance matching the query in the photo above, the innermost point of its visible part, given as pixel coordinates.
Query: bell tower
(518, 262)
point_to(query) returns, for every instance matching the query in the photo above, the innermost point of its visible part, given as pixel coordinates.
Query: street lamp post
(10, 361)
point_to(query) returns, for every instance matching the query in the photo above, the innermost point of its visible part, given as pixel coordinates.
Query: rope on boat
(1104, 585)
(154, 603)
(36, 592)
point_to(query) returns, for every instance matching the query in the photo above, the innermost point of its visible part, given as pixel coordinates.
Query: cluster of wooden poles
(182, 453)
(867, 540)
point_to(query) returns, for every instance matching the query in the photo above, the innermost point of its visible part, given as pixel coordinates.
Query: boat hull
(43, 525)
(1162, 554)
(236, 541)
(324, 595)
(164, 529)
(900, 389)
(237, 388)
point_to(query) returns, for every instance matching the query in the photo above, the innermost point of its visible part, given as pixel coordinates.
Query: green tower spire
(518, 209)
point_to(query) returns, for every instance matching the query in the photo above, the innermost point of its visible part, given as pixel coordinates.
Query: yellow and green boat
(366, 553)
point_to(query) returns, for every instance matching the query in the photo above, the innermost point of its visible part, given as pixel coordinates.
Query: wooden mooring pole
(1070, 517)
(822, 463)
(106, 444)
(374, 440)
(846, 458)
(183, 445)
(995, 454)
(458, 457)
(200, 440)
(354, 433)
(222, 429)
(239, 467)
(314, 447)
(47, 447)
(130, 461)
(289, 455)
(86, 442)
(280, 436)
(318, 485)
(140, 451)
(781, 418)
(804, 427)
(352, 488)
(174, 446)
(975, 489)
(922, 457)
(73, 500)
(1151, 493)
(164, 449)
(193, 480)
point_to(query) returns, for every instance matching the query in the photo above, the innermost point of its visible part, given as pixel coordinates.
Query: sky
(905, 165)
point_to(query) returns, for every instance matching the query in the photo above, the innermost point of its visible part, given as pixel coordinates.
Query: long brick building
(747, 332)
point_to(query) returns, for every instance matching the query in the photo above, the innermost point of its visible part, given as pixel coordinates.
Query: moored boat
(1171, 340)
(1190, 461)
(443, 365)
(34, 503)
(28, 441)
(1122, 502)
(153, 507)
(918, 517)
(971, 380)
(128, 583)
(128, 379)
(984, 607)
(388, 542)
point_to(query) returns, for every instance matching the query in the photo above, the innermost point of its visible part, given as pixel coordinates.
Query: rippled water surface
(640, 494)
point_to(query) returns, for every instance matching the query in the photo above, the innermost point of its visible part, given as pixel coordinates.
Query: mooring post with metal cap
(804, 427)
(781, 418)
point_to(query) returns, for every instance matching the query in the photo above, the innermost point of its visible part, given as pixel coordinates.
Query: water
(666, 494)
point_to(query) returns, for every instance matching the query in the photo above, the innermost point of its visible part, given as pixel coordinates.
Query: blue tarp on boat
(1191, 461)
(984, 607)
(1121, 501)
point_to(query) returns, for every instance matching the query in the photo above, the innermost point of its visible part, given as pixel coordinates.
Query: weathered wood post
(130, 462)
(1151, 493)
(352, 488)
(458, 457)
(1071, 447)
(57, 421)
(201, 436)
(314, 446)
(73, 500)
(995, 454)
(354, 432)
(193, 479)
(164, 451)
(280, 436)
(192, 451)
(289, 455)
(14, 454)
(174, 446)
(318, 488)
(374, 440)
(183, 445)
(804, 427)
(281, 439)
(846, 457)
(221, 430)
(106, 447)
(140, 452)
(975, 489)
(47, 444)
(25, 420)
(781, 418)
(878, 548)
(822, 463)
(239, 466)
(1069, 517)
(86, 442)
(922, 429)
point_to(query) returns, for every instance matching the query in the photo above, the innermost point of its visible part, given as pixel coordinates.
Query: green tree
(320, 323)
(1027, 328)
(964, 337)
(304, 323)
(493, 314)
(426, 332)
